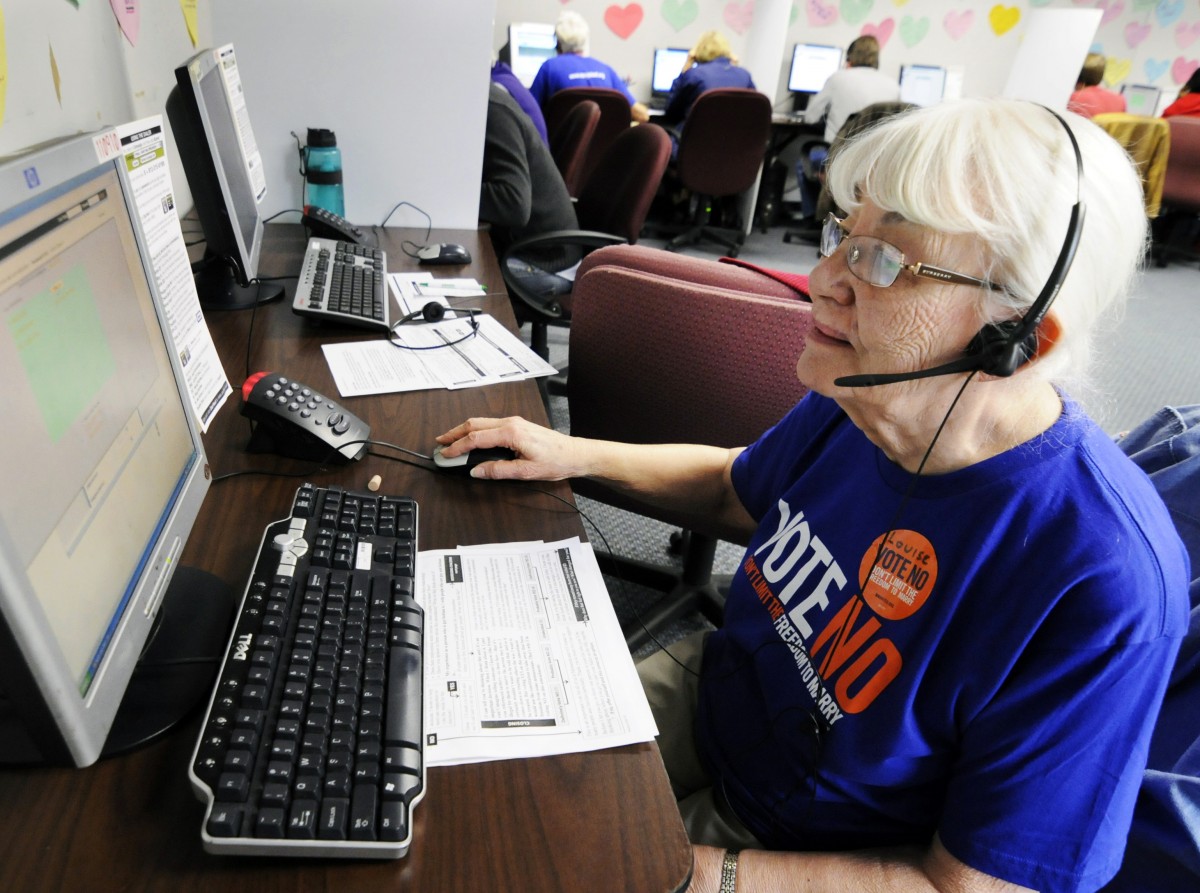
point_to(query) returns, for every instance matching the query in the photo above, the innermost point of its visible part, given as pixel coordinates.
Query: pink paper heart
(1181, 69)
(882, 31)
(623, 20)
(957, 23)
(820, 14)
(129, 18)
(1110, 11)
(738, 16)
(1135, 33)
(1186, 34)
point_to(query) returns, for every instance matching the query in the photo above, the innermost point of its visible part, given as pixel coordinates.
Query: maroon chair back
(569, 145)
(723, 142)
(616, 196)
(615, 118)
(1181, 182)
(656, 358)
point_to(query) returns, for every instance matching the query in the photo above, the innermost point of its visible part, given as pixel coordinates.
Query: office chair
(611, 209)
(569, 145)
(615, 119)
(1178, 226)
(721, 148)
(1147, 140)
(667, 349)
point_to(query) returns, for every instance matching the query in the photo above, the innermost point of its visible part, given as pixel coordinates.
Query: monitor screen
(1141, 99)
(211, 126)
(668, 63)
(922, 84)
(101, 465)
(812, 64)
(529, 45)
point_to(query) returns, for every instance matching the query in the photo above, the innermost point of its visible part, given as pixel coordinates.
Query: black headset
(1000, 348)
(434, 312)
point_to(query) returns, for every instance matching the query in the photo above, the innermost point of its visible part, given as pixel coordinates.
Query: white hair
(1004, 171)
(571, 30)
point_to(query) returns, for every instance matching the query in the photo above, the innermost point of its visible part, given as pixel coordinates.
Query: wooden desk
(603, 821)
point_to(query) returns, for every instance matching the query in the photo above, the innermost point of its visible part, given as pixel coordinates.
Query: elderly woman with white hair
(573, 67)
(947, 642)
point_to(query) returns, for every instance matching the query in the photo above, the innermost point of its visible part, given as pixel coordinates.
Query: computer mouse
(467, 461)
(443, 253)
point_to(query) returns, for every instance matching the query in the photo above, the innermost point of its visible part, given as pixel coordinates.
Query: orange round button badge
(902, 577)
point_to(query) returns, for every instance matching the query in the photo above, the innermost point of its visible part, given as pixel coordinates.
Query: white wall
(1147, 41)
(404, 85)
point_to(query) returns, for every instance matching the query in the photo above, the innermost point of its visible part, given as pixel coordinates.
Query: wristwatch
(729, 872)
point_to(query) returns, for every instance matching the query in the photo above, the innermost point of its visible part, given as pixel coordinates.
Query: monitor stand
(178, 666)
(219, 289)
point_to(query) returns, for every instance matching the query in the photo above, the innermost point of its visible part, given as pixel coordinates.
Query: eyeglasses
(879, 263)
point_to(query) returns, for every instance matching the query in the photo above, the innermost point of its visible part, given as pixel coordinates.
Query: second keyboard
(343, 282)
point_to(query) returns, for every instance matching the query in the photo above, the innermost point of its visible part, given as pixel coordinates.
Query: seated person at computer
(503, 75)
(847, 91)
(946, 644)
(1188, 102)
(522, 194)
(573, 67)
(1090, 97)
(709, 65)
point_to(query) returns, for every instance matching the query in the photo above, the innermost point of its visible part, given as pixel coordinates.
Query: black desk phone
(296, 421)
(328, 225)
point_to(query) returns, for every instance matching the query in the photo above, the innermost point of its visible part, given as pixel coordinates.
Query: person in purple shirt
(503, 75)
(573, 67)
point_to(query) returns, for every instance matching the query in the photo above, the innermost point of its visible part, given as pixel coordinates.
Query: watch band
(729, 872)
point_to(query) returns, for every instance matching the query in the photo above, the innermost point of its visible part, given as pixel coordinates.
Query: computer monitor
(812, 64)
(211, 126)
(922, 84)
(1141, 99)
(529, 45)
(102, 471)
(668, 63)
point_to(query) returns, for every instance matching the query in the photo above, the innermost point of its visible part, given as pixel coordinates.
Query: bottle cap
(319, 137)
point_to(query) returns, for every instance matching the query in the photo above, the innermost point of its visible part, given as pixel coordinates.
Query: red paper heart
(623, 20)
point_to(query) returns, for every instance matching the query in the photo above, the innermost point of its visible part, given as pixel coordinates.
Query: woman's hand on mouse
(542, 453)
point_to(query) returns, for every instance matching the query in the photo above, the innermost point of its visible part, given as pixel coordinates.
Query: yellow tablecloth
(1147, 140)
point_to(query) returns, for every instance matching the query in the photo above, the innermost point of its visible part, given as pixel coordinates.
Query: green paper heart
(913, 31)
(679, 13)
(855, 11)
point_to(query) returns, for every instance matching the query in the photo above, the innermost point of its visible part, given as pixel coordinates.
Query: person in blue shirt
(710, 64)
(947, 643)
(573, 67)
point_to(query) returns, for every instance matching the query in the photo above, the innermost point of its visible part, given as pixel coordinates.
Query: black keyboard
(313, 742)
(343, 282)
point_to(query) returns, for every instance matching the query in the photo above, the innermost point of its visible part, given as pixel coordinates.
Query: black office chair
(611, 210)
(721, 150)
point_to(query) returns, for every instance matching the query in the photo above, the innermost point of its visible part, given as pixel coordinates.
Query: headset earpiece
(999, 350)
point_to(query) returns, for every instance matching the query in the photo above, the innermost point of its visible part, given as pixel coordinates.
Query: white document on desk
(437, 355)
(523, 655)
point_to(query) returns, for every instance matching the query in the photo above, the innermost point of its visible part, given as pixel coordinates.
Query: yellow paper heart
(1003, 18)
(900, 2)
(1116, 70)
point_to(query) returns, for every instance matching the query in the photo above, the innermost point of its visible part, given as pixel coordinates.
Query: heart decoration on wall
(623, 20)
(738, 16)
(1116, 70)
(958, 23)
(882, 32)
(679, 13)
(1168, 12)
(1186, 34)
(913, 31)
(1110, 11)
(820, 15)
(1003, 18)
(1182, 69)
(855, 11)
(1155, 68)
(129, 18)
(1135, 33)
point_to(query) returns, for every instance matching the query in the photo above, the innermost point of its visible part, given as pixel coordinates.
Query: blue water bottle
(323, 172)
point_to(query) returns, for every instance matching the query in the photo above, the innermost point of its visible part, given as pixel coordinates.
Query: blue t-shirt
(573, 70)
(699, 79)
(996, 680)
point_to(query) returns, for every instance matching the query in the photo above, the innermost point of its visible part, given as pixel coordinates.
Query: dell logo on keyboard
(241, 650)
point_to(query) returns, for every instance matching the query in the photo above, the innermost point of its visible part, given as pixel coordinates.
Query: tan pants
(670, 678)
